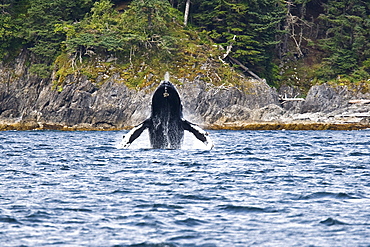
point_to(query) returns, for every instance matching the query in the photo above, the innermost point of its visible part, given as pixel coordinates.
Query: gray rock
(326, 98)
(111, 104)
(114, 105)
(269, 113)
(210, 104)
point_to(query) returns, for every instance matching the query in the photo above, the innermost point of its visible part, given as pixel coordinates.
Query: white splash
(192, 143)
(167, 76)
(143, 142)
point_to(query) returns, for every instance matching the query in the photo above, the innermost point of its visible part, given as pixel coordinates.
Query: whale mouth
(167, 84)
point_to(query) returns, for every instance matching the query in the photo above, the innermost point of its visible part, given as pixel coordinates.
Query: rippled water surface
(255, 188)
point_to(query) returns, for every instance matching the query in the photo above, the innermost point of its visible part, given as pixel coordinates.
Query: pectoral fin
(198, 132)
(133, 134)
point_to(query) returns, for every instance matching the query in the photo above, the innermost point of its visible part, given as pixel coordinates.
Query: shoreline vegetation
(302, 125)
(295, 43)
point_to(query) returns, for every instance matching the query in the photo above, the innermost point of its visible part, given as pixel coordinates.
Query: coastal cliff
(29, 102)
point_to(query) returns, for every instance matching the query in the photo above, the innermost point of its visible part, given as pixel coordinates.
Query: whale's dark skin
(166, 124)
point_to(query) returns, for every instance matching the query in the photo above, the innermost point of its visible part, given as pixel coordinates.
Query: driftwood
(234, 60)
(245, 68)
(359, 101)
(228, 50)
(286, 99)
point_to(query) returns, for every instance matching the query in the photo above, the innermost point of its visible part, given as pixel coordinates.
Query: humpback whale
(166, 124)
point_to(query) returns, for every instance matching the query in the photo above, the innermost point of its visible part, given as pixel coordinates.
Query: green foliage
(97, 32)
(42, 16)
(151, 24)
(30, 24)
(327, 38)
(248, 25)
(11, 21)
(312, 40)
(346, 41)
(143, 27)
(40, 69)
(144, 38)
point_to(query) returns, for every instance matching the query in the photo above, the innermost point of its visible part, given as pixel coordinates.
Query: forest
(293, 42)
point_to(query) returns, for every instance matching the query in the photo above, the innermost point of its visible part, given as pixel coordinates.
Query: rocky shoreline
(291, 126)
(212, 108)
(23, 126)
(30, 103)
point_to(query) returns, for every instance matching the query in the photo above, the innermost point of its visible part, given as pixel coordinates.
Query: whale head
(166, 99)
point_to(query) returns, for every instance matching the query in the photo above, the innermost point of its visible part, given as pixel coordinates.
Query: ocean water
(255, 188)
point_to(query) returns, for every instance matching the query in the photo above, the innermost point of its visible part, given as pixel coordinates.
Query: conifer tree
(347, 25)
(249, 25)
(31, 24)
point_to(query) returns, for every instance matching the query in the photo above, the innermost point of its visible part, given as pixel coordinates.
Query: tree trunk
(245, 68)
(286, 28)
(186, 14)
(150, 18)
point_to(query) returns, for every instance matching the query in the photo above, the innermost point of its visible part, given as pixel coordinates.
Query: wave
(196, 197)
(156, 206)
(318, 195)
(121, 191)
(247, 209)
(8, 219)
(331, 222)
(358, 154)
(190, 222)
(75, 209)
(38, 216)
(148, 245)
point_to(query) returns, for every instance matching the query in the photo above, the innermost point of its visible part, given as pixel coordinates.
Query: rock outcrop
(82, 104)
(331, 104)
(28, 102)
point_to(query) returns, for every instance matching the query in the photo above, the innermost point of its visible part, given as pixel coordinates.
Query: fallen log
(245, 68)
(286, 99)
(359, 101)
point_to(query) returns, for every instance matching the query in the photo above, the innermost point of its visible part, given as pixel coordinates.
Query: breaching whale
(166, 124)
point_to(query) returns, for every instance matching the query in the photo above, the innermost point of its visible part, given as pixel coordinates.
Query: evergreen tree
(337, 30)
(148, 23)
(347, 25)
(12, 13)
(31, 24)
(98, 32)
(42, 16)
(249, 25)
(143, 27)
